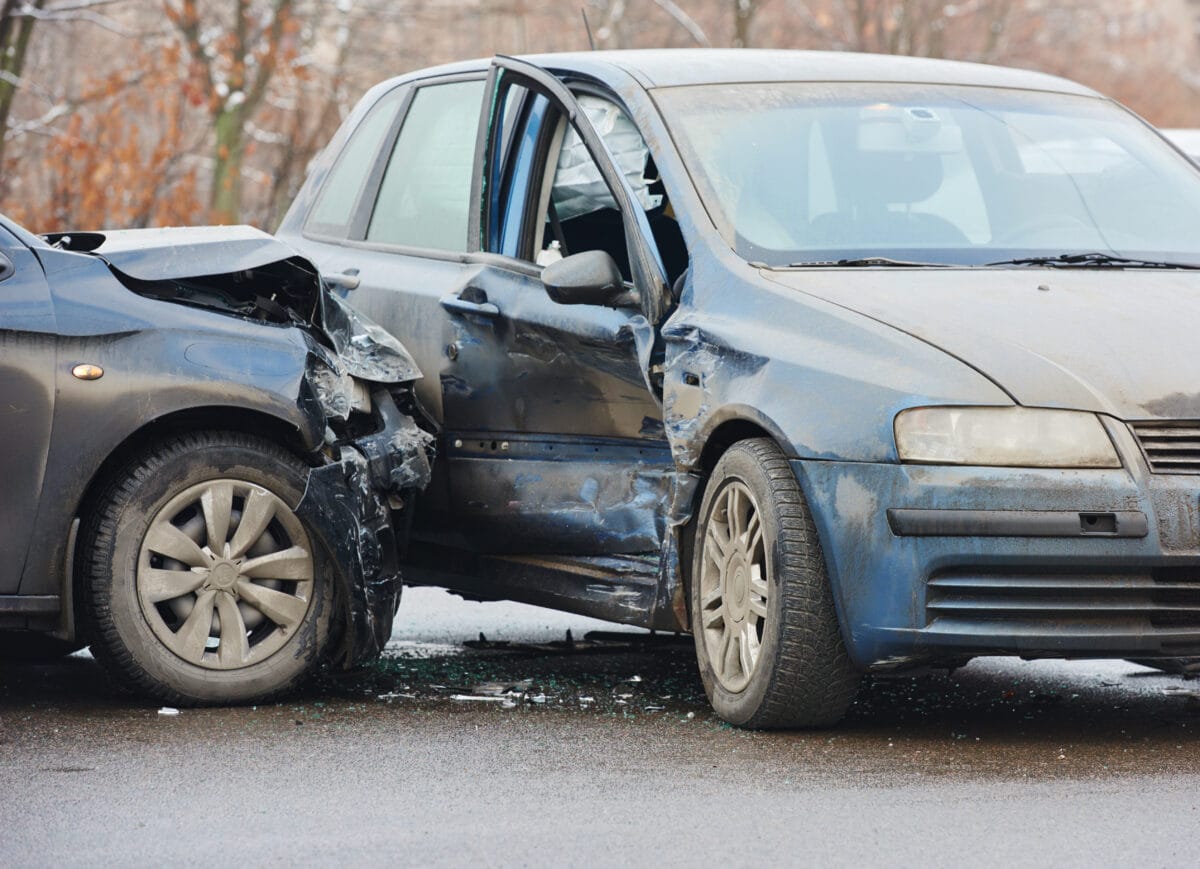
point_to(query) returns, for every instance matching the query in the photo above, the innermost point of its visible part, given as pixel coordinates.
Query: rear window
(424, 200)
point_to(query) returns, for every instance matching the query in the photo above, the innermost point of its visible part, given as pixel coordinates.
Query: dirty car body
(179, 331)
(958, 301)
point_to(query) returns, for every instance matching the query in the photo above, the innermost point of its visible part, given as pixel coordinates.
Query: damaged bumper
(938, 562)
(349, 504)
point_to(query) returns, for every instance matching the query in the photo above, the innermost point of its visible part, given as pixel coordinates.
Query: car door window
(580, 213)
(576, 211)
(340, 194)
(424, 199)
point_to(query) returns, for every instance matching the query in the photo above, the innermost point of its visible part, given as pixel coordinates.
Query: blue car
(842, 363)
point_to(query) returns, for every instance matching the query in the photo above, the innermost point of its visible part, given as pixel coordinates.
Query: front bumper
(348, 506)
(1041, 563)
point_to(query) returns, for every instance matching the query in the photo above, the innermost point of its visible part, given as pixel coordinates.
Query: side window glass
(519, 157)
(578, 211)
(343, 187)
(424, 200)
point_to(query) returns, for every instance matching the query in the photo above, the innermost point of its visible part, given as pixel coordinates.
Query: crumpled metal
(364, 348)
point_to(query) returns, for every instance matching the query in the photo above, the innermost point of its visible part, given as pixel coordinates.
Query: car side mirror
(588, 278)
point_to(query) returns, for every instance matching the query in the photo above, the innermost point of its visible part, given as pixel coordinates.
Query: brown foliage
(212, 110)
(104, 168)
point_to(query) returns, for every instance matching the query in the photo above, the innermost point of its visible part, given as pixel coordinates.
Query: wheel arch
(736, 423)
(210, 418)
(727, 427)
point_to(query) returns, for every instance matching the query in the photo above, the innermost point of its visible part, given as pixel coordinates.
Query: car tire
(197, 531)
(768, 643)
(24, 646)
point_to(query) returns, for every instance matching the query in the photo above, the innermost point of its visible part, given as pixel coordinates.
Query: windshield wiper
(1069, 260)
(868, 262)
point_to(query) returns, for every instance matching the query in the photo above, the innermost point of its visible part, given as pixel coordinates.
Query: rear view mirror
(588, 278)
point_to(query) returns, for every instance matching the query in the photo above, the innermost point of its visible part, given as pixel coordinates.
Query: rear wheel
(767, 637)
(202, 584)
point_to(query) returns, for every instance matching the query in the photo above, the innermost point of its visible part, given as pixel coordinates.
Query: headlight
(1004, 437)
(338, 392)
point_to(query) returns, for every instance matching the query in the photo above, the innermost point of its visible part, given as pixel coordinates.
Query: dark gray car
(205, 454)
(844, 363)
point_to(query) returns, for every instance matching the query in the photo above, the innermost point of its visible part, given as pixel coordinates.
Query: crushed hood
(242, 271)
(1117, 342)
(178, 251)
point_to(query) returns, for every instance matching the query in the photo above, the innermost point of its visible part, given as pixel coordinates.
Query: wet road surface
(526, 750)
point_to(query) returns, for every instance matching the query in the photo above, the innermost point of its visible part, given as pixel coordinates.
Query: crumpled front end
(376, 456)
(352, 381)
(350, 504)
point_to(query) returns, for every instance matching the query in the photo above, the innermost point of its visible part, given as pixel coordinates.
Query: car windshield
(810, 173)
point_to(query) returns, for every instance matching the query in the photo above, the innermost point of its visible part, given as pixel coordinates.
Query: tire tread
(100, 532)
(812, 681)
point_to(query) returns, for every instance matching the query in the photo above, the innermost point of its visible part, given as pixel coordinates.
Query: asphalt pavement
(521, 748)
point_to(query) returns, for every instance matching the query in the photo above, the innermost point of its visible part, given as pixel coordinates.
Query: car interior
(574, 211)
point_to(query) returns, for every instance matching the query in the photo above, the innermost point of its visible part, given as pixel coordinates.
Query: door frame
(648, 278)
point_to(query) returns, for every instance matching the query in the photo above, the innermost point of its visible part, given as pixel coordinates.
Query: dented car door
(554, 439)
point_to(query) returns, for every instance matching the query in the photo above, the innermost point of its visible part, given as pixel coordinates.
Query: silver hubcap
(225, 574)
(733, 587)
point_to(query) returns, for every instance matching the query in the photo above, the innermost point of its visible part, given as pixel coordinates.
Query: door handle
(347, 280)
(480, 308)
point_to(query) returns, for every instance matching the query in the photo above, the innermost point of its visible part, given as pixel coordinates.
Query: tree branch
(685, 21)
(187, 21)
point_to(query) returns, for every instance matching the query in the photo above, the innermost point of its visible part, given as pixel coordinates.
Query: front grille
(1162, 601)
(1170, 447)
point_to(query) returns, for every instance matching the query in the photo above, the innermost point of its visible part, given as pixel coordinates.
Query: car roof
(674, 67)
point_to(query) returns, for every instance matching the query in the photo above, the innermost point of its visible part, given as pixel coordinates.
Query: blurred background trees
(126, 113)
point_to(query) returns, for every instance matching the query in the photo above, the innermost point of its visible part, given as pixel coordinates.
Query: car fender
(825, 381)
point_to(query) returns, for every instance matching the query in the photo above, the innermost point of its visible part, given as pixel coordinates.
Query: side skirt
(617, 588)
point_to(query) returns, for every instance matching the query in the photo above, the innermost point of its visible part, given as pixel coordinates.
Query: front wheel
(202, 585)
(767, 637)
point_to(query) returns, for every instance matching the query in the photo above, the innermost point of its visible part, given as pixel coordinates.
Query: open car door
(491, 181)
(557, 462)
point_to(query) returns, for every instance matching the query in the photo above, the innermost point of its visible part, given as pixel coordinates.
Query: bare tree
(743, 16)
(234, 57)
(16, 28)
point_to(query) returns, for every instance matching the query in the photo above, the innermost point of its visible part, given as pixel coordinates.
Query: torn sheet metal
(354, 527)
(348, 504)
(398, 456)
(364, 349)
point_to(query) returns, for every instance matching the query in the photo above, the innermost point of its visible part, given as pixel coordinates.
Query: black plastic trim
(30, 604)
(1016, 523)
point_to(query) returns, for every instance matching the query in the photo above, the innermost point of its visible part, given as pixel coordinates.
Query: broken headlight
(338, 393)
(1015, 437)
